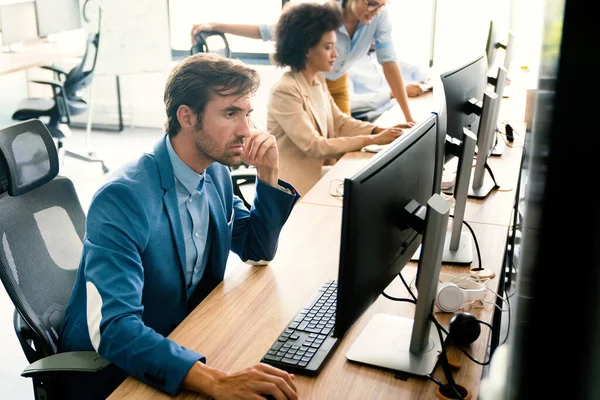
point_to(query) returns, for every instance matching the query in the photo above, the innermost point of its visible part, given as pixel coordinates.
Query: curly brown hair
(196, 79)
(300, 28)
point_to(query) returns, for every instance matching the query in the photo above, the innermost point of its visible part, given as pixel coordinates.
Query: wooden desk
(43, 53)
(496, 208)
(236, 324)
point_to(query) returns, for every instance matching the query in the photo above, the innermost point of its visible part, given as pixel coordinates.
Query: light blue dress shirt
(370, 91)
(193, 209)
(351, 50)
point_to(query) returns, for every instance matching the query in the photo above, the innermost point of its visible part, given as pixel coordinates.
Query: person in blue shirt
(159, 233)
(365, 21)
(370, 94)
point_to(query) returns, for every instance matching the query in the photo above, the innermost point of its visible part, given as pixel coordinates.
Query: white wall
(461, 30)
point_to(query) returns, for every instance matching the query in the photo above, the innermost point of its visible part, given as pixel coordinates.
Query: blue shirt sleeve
(384, 46)
(266, 31)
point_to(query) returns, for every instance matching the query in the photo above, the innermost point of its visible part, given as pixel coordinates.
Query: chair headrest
(211, 42)
(28, 157)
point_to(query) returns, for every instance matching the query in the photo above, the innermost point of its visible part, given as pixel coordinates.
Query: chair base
(86, 159)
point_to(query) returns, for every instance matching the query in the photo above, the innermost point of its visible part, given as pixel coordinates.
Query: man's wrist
(203, 379)
(268, 176)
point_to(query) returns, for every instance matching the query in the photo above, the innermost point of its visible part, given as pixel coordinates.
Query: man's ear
(186, 117)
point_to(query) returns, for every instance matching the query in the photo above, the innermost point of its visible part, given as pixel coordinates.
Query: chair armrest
(57, 71)
(66, 363)
(242, 176)
(47, 82)
(26, 337)
(59, 97)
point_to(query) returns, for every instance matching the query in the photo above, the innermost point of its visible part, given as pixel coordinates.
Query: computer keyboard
(307, 341)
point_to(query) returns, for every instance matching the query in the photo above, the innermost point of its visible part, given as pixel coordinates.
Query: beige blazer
(303, 148)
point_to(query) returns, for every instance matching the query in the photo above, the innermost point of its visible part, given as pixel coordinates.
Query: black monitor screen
(461, 84)
(55, 16)
(377, 240)
(491, 45)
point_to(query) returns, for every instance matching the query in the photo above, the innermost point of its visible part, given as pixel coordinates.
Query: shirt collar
(189, 178)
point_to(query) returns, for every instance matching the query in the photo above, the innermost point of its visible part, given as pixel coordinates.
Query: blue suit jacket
(130, 291)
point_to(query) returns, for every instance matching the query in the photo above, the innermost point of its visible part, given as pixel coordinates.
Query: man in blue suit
(159, 233)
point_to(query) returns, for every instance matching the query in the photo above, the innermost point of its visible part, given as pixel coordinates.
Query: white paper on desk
(374, 148)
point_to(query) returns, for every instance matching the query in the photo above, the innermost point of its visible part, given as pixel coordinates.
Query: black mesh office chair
(67, 98)
(244, 176)
(42, 225)
(211, 42)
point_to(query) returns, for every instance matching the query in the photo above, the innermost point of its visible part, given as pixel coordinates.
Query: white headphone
(454, 291)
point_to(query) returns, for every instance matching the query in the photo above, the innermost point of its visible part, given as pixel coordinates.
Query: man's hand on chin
(260, 151)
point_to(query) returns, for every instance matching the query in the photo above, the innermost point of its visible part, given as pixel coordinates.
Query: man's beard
(208, 149)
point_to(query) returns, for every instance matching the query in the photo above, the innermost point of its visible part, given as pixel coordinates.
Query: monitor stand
(458, 248)
(499, 147)
(14, 48)
(482, 184)
(462, 255)
(482, 191)
(385, 342)
(403, 344)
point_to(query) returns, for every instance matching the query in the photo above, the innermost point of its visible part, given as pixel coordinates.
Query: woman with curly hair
(364, 22)
(309, 127)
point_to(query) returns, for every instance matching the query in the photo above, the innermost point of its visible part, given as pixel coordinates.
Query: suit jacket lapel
(305, 90)
(167, 179)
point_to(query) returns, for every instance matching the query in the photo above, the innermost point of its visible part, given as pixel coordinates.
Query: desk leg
(103, 127)
(88, 127)
(120, 108)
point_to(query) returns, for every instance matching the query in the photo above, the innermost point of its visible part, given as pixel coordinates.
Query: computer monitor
(55, 16)
(499, 82)
(463, 88)
(482, 184)
(18, 24)
(492, 45)
(382, 226)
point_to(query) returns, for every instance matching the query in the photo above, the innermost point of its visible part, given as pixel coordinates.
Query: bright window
(184, 13)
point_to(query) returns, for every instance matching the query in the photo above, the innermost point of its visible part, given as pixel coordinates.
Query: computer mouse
(464, 329)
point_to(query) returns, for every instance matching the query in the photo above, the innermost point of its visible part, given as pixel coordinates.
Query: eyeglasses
(373, 5)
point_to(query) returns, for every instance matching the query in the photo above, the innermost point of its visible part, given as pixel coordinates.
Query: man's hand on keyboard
(256, 382)
(261, 379)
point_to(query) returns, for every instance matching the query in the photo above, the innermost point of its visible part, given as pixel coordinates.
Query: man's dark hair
(300, 28)
(198, 78)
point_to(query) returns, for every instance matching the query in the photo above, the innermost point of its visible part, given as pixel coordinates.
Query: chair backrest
(211, 42)
(82, 74)
(42, 225)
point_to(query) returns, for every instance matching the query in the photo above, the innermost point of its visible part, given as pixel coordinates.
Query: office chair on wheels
(42, 225)
(243, 177)
(67, 100)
